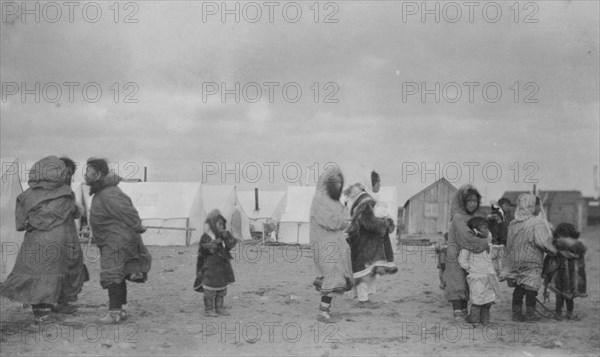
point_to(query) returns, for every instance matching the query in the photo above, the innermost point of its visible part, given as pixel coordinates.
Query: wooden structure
(593, 210)
(428, 212)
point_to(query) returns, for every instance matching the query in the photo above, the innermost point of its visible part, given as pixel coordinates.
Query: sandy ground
(273, 312)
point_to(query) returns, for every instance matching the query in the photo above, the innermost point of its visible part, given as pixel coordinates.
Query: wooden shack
(428, 212)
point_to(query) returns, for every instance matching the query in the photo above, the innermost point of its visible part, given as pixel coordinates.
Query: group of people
(352, 225)
(49, 272)
(350, 241)
(357, 232)
(521, 249)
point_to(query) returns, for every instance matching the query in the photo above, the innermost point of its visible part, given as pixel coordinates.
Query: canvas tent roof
(10, 239)
(215, 196)
(267, 202)
(297, 204)
(225, 199)
(295, 215)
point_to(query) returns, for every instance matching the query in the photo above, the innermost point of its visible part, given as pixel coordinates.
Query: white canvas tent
(293, 213)
(169, 209)
(225, 199)
(10, 239)
(268, 203)
(176, 211)
(237, 219)
(294, 222)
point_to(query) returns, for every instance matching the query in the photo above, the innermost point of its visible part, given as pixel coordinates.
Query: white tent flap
(10, 239)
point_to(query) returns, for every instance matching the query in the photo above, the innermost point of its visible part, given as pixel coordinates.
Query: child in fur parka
(564, 273)
(213, 268)
(482, 281)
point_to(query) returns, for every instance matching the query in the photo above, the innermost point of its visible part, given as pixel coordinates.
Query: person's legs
(517, 303)
(485, 314)
(220, 302)
(209, 303)
(324, 307)
(124, 294)
(362, 290)
(63, 306)
(372, 284)
(530, 302)
(442, 280)
(42, 311)
(117, 297)
(457, 307)
(475, 316)
(365, 287)
(570, 308)
(464, 307)
(560, 300)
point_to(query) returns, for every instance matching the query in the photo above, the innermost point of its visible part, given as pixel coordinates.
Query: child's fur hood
(572, 245)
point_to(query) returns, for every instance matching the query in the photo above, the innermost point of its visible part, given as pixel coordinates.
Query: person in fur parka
(328, 220)
(367, 237)
(117, 230)
(464, 205)
(213, 267)
(564, 273)
(46, 211)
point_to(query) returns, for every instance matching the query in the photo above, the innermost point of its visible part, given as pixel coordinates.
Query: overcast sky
(369, 58)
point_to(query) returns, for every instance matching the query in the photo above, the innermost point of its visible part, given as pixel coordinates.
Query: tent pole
(256, 199)
(187, 232)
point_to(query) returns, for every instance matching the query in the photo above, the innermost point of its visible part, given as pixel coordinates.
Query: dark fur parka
(213, 267)
(564, 273)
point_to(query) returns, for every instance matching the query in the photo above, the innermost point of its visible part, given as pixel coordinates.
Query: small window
(431, 210)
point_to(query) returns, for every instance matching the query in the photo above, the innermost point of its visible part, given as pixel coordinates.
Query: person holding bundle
(368, 235)
(464, 205)
(564, 273)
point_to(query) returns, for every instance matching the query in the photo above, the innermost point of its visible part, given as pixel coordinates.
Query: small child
(381, 210)
(482, 280)
(498, 225)
(213, 268)
(440, 252)
(564, 273)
